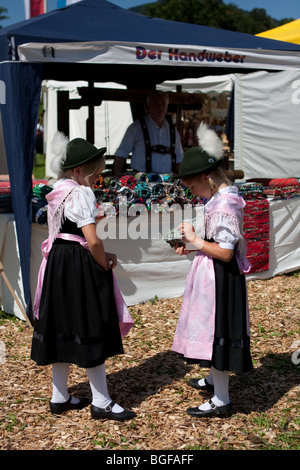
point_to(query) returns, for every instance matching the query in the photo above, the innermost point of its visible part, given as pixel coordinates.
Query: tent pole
(14, 294)
(90, 122)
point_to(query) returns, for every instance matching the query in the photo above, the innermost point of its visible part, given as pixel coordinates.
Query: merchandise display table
(149, 268)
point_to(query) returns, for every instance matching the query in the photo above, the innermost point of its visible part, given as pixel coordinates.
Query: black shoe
(214, 411)
(107, 413)
(59, 408)
(195, 384)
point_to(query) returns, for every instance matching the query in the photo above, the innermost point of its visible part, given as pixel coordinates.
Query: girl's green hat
(80, 151)
(199, 159)
(196, 161)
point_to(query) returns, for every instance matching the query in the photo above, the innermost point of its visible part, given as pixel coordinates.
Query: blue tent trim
(19, 119)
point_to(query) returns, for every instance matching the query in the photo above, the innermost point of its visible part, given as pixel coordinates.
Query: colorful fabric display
(142, 190)
(256, 233)
(37, 204)
(41, 216)
(278, 188)
(252, 191)
(285, 188)
(98, 183)
(158, 190)
(283, 182)
(161, 192)
(128, 181)
(6, 205)
(148, 188)
(142, 177)
(41, 190)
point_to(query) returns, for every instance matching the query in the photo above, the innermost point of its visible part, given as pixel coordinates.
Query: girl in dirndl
(213, 325)
(80, 314)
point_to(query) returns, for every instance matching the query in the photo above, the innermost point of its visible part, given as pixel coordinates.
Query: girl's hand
(111, 260)
(187, 232)
(180, 250)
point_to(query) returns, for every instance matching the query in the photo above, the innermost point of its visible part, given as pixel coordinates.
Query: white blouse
(81, 207)
(224, 233)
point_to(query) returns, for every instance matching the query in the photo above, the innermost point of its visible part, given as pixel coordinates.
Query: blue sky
(277, 10)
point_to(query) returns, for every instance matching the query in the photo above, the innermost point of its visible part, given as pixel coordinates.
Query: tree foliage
(213, 13)
(3, 15)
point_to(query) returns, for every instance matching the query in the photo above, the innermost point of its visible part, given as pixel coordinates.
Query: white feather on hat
(59, 150)
(209, 141)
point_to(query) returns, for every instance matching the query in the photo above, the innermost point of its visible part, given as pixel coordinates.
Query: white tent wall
(208, 84)
(111, 118)
(266, 124)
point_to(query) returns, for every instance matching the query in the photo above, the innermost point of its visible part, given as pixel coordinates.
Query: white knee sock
(60, 373)
(98, 384)
(209, 379)
(221, 386)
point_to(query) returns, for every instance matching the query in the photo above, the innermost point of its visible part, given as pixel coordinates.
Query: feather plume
(59, 151)
(209, 141)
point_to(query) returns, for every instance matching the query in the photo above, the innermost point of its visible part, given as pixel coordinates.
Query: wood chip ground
(152, 380)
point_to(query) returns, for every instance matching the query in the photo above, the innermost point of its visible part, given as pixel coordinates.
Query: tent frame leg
(14, 295)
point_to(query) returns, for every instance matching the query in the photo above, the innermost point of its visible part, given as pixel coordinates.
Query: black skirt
(78, 321)
(231, 347)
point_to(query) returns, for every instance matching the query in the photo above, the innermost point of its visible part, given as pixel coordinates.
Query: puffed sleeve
(81, 208)
(227, 231)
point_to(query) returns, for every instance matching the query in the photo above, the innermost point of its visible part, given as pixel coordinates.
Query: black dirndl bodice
(78, 321)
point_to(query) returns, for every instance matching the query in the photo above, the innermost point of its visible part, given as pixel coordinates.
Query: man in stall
(153, 142)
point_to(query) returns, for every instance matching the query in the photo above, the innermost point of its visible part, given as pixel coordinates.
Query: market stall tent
(94, 40)
(289, 32)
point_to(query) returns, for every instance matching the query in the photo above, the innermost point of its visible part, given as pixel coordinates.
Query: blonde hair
(219, 173)
(93, 167)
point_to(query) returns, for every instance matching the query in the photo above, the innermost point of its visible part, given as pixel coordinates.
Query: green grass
(6, 316)
(39, 168)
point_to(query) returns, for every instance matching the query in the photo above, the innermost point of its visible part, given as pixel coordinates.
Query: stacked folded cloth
(6, 205)
(278, 188)
(284, 188)
(256, 225)
(252, 190)
(39, 202)
(256, 233)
